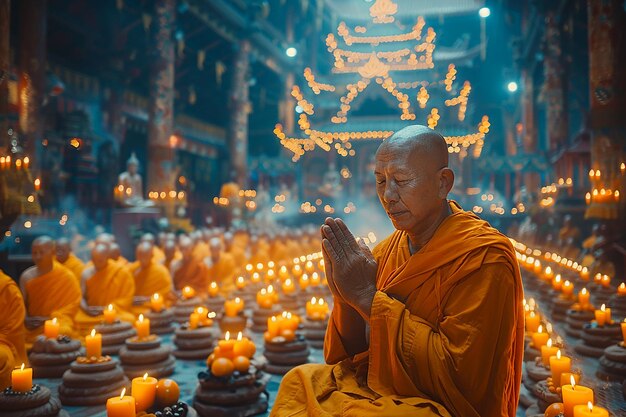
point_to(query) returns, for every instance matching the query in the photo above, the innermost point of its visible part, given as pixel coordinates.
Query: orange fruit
(210, 360)
(242, 364)
(167, 392)
(222, 367)
(554, 410)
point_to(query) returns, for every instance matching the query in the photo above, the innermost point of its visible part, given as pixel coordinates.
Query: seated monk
(12, 349)
(237, 252)
(429, 324)
(106, 282)
(66, 258)
(115, 253)
(159, 256)
(221, 266)
(171, 253)
(150, 278)
(50, 290)
(189, 271)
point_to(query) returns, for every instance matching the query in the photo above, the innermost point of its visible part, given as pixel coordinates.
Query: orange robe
(148, 281)
(239, 255)
(446, 334)
(194, 274)
(223, 272)
(278, 251)
(201, 251)
(111, 285)
(55, 294)
(260, 257)
(74, 264)
(12, 349)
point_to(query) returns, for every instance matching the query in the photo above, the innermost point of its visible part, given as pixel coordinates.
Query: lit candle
(51, 328)
(283, 273)
(156, 302)
(144, 391)
(37, 184)
(255, 278)
(548, 275)
(566, 378)
(93, 344)
(583, 298)
(315, 279)
(273, 326)
(297, 271)
(537, 266)
(540, 338)
(109, 314)
(22, 379)
(584, 273)
(590, 411)
(601, 315)
(263, 299)
(240, 283)
(243, 347)
(607, 316)
(532, 322)
(606, 281)
(621, 290)
(568, 289)
(557, 283)
(213, 289)
(226, 346)
(574, 395)
(272, 294)
(143, 327)
(623, 324)
(288, 286)
(547, 351)
(188, 292)
(558, 365)
(289, 321)
(194, 319)
(124, 406)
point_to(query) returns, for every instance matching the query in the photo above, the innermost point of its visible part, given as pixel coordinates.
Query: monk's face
(408, 185)
(144, 255)
(63, 251)
(43, 254)
(99, 256)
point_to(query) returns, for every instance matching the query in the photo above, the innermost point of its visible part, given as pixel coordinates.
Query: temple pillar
(239, 111)
(161, 143)
(32, 75)
(5, 66)
(554, 86)
(529, 139)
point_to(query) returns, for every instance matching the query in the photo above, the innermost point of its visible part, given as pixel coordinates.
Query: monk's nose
(391, 194)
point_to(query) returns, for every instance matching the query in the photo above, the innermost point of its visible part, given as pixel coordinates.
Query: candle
(296, 270)
(540, 338)
(547, 351)
(601, 315)
(532, 322)
(583, 298)
(272, 294)
(188, 292)
(51, 328)
(233, 307)
(226, 346)
(143, 327)
(273, 326)
(621, 290)
(537, 266)
(623, 324)
(124, 406)
(575, 395)
(556, 283)
(304, 281)
(315, 279)
(22, 379)
(566, 378)
(156, 302)
(109, 314)
(597, 278)
(606, 281)
(243, 347)
(289, 321)
(590, 411)
(283, 273)
(263, 299)
(548, 273)
(93, 344)
(194, 319)
(256, 278)
(568, 289)
(213, 289)
(240, 283)
(144, 391)
(558, 365)
(584, 273)
(607, 316)
(288, 286)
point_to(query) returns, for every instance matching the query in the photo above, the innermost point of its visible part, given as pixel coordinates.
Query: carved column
(554, 86)
(239, 110)
(5, 64)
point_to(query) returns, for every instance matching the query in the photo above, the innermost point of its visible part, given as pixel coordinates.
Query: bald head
(169, 249)
(42, 251)
(144, 253)
(100, 255)
(63, 249)
(148, 237)
(186, 247)
(115, 251)
(422, 143)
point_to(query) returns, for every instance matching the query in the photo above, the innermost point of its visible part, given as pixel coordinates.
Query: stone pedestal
(50, 358)
(114, 336)
(91, 382)
(36, 402)
(147, 355)
(161, 322)
(283, 356)
(595, 339)
(194, 343)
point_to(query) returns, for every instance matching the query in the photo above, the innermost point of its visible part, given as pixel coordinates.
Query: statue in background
(130, 185)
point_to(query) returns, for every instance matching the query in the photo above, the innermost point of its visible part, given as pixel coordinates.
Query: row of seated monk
(62, 286)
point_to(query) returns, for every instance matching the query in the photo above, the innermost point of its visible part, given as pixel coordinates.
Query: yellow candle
(583, 298)
(288, 286)
(532, 322)
(273, 326)
(606, 281)
(621, 290)
(255, 278)
(601, 315)
(213, 289)
(547, 351)
(51, 328)
(188, 292)
(297, 270)
(22, 379)
(590, 410)
(263, 299)
(537, 266)
(568, 289)
(558, 365)
(93, 344)
(566, 378)
(607, 315)
(240, 283)
(144, 391)
(156, 302)
(226, 346)
(194, 319)
(574, 395)
(584, 274)
(289, 321)
(540, 338)
(243, 347)
(283, 273)
(548, 275)
(143, 327)
(557, 283)
(124, 406)
(315, 279)
(109, 314)
(304, 281)
(623, 324)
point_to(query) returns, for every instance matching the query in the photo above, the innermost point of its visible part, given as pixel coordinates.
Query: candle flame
(622, 286)
(288, 282)
(567, 284)
(572, 381)
(200, 310)
(603, 307)
(584, 291)
(110, 307)
(540, 329)
(263, 291)
(22, 367)
(156, 296)
(141, 317)
(558, 278)
(122, 394)
(54, 320)
(320, 301)
(590, 406)
(93, 332)
(240, 279)
(270, 288)
(313, 300)
(213, 284)
(532, 314)
(524, 302)
(145, 376)
(211, 315)
(227, 336)
(558, 354)
(239, 336)
(549, 344)
(237, 300)
(284, 314)
(273, 319)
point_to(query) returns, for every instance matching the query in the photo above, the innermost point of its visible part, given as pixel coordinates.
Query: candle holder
(37, 401)
(91, 381)
(233, 324)
(194, 343)
(50, 358)
(594, 339)
(560, 307)
(260, 316)
(576, 319)
(185, 306)
(215, 303)
(139, 356)
(315, 332)
(618, 304)
(114, 335)
(161, 322)
(283, 355)
(613, 363)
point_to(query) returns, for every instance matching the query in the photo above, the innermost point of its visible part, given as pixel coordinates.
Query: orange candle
(156, 302)
(51, 328)
(621, 290)
(574, 395)
(144, 391)
(601, 315)
(547, 351)
(289, 321)
(584, 273)
(255, 278)
(548, 274)
(288, 286)
(315, 279)
(607, 316)
(22, 379)
(532, 322)
(194, 319)
(297, 270)
(109, 314)
(606, 281)
(188, 292)
(540, 338)
(568, 289)
(231, 307)
(557, 283)
(243, 347)
(558, 365)
(566, 378)
(124, 406)
(590, 411)
(240, 283)
(283, 273)
(583, 298)
(263, 299)
(304, 281)
(93, 344)
(213, 289)
(273, 326)
(623, 324)
(142, 325)
(226, 346)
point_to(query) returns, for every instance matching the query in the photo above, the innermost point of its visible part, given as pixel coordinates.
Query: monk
(50, 290)
(106, 282)
(12, 349)
(150, 278)
(115, 253)
(159, 256)
(428, 324)
(188, 270)
(66, 258)
(237, 252)
(257, 253)
(171, 253)
(221, 266)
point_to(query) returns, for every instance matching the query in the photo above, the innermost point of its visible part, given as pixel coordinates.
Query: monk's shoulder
(63, 272)
(383, 244)
(496, 270)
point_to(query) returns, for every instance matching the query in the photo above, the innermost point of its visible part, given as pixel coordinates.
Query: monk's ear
(446, 182)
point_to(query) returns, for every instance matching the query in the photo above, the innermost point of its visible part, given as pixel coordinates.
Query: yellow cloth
(153, 279)
(12, 349)
(55, 294)
(239, 255)
(260, 257)
(223, 272)
(278, 251)
(111, 285)
(74, 264)
(446, 334)
(193, 274)
(122, 261)
(201, 251)
(157, 254)
(241, 239)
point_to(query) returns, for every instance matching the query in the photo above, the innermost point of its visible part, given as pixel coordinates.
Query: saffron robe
(446, 334)
(55, 294)
(148, 281)
(74, 264)
(223, 272)
(12, 349)
(192, 273)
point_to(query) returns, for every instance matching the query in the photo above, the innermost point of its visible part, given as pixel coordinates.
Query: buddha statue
(130, 185)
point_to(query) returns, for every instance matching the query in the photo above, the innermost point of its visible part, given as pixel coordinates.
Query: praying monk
(429, 324)
(12, 349)
(50, 290)
(106, 282)
(150, 277)
(66, 258)
(221, 266)
(188, 270)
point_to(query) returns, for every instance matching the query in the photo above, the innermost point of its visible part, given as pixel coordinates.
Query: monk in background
(237, 252)
(150, 278)
(171, 253)
(188, 270)
(12, 349)
(115, 253)
(159, 256)
(66, 258)
(221, 266)
(106, 282)
(428, 324)
(50, 290)
(257, 253)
